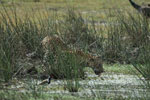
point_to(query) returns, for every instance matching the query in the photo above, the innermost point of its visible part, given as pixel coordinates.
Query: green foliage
(72, 85)
(29, 34)
(8, 48)
(77, 32)
(62, 64)
(126, 38)
(7, 51)
(142, 62)
(126, 41)
(129, 43)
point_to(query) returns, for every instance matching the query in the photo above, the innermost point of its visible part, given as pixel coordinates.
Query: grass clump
(125, 38)
(72, 85)
(137, 32)
(64, 65)
(78, 33)
(129, 43)
(9, 47)
(142, 63)
(29, 35)
(7, 57)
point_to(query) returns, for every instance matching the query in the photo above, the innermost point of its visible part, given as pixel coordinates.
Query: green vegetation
(44, 96)
(119, 68)
(123, 43)
(101, 9)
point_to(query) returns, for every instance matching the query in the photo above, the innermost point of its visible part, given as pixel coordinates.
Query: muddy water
(107, 85)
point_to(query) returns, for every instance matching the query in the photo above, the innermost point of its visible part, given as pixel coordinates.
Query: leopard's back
(91, 61)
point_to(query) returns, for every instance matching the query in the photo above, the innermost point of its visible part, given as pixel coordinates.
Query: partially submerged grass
(72, 85)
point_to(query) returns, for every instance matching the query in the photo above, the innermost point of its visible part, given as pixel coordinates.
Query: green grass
(47, 96)
(112, 46)
(101, 7)
(23, 28)
(120, 69)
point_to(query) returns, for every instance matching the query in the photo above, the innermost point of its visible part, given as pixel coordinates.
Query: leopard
(55, 41)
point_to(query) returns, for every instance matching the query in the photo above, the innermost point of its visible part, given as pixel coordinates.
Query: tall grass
(23, 35)
(8, 48)
(122, 43)
(138, 32)
(63, 64)
(128, 42)
(18, 37)
(125, 38)
(7, 56)
(78, 33)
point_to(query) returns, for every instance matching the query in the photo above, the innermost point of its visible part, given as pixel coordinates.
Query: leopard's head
(97, 65)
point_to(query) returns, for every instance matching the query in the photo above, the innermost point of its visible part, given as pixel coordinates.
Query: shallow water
(107, 85)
